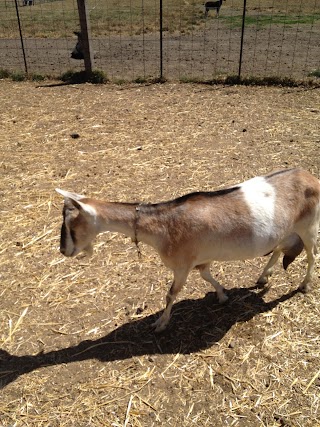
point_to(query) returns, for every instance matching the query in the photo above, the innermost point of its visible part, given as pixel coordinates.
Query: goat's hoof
(304, 288)
(263, 280)
(223, 298)
(159, 325)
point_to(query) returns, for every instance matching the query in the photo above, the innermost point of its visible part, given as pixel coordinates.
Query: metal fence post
(161, 40)
(21, 37)
(86, 35)
(242, 37)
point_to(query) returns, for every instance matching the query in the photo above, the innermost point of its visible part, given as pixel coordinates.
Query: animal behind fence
(77, 52)
(277, 213)
(213, 5)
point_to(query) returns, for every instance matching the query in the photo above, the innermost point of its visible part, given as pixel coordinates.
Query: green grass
(315, 73)
(78, 77)
(267, 20)
(60, 18)
(4, 74)
(20, 76)
(252, 81)
(99, 77)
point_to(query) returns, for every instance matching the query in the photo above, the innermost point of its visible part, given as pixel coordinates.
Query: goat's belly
(232, 251)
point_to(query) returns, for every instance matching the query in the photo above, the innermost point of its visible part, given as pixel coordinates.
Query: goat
(277, 213)
(77, 52)
(213, 5)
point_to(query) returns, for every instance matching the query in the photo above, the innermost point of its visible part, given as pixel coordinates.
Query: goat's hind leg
(309, 235)
(204, 270)
(179, 280)
(311, 255)
(311, 249)
(263, 279)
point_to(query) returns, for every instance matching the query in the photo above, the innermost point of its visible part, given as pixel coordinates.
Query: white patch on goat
(77, 198)
(260, 197)
(68, 195)
(90, 210)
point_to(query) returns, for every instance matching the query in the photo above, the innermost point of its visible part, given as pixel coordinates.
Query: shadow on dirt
(195, 325)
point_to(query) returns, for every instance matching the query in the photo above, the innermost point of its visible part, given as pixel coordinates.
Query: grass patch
(78, 77)
(99, 77)
(253, 81)
(60, 18)
(315, 73)
(37, 77)
(184, 79)
(266, 20)
(18, 76)
(140, 80)
(4, 74)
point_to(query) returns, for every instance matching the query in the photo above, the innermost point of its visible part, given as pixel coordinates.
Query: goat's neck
(128, 219)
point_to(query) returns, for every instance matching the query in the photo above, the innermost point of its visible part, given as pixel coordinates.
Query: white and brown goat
(277, 213)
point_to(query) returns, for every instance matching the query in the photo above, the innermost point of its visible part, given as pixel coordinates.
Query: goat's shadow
(195, 325)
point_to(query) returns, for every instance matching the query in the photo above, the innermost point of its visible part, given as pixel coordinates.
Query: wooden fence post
(86, 35)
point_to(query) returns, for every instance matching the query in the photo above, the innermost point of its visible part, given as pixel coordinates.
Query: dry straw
(77, 348)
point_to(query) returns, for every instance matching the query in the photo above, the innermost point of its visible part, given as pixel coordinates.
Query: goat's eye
(71, 209)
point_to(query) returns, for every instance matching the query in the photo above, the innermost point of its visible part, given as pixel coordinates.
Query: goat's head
(79, 226)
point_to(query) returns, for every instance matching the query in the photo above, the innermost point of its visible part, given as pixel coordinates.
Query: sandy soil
(77, 347)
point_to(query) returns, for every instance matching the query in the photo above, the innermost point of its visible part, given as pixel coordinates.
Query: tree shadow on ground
(195, 325)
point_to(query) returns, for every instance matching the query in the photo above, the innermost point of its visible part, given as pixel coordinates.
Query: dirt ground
(202, 54)
(77, 347)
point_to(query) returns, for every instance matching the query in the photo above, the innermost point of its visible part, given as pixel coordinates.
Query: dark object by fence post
(242, 37)
(21, 38)
(77, 52)
(86, 36)
(161, 41)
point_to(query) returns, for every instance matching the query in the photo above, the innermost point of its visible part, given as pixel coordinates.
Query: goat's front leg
(179, 280)
(263, 279)
(204, 270)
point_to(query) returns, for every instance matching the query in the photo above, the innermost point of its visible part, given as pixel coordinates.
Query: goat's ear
(75, 200)
(68, 195)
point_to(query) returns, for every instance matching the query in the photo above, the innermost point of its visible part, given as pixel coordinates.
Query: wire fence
(135, 39)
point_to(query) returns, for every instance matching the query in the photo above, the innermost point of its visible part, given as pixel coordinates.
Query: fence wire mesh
(281, 38)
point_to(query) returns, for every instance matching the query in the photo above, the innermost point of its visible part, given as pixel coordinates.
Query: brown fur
(298, 192)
